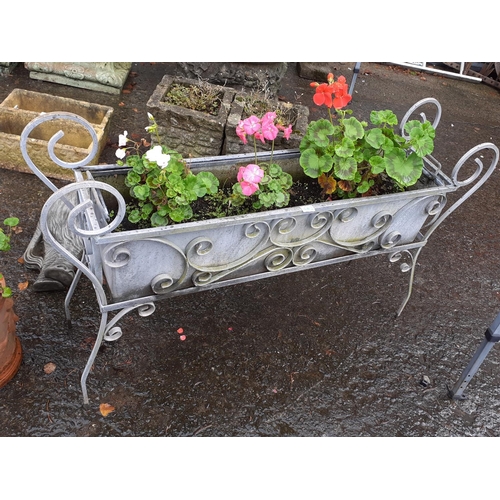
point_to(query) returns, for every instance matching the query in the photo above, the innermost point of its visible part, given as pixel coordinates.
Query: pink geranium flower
(287, 132)
(249, 178)
(251, 125)
(240, 132)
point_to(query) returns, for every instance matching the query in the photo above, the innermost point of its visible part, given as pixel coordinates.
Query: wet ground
(315, 353)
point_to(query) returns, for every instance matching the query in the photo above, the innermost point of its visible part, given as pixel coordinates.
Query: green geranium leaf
(141, 192)
(404, 170)
(375, 138)
(384, 117)
(134, 216)
(378, 164)
(364, 186)
(6, 292)
(353, 128)
(318, 132)
(11, 221)
(275, 170)
(158, 220)
(286, 180)
(175, 167)
(421, 137)
(315, 165)
(132, 179)
(345, 148)
(346, 169)
(206, 182)
(181, 213)
(4, 242)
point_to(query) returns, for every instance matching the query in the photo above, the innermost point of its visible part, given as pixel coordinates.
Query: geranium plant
(267, 184)
(160, 182)
(5, 235)
(351, 158)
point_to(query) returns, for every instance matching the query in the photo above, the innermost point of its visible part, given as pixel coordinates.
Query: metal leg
(492, 335)
(354, 76)
(93, 354)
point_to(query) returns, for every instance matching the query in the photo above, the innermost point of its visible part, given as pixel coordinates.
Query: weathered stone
(192, 133)
(262, 77)
(315, 71)
(234, 145)
(101, 76)
(22, 106)
(7, 67)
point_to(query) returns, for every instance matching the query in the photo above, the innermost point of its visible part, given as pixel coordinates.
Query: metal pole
(354, 76)
(492, 335)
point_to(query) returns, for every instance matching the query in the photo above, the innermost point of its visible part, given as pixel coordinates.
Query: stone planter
(21, 106)
(10, 347)
(106, 77)
(233, 144)
(133, 269)
(261, 77)
(6, 68)
(192, 133)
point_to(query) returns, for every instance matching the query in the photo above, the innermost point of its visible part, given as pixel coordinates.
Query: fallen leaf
(20, 260)
(121, 104)
(23, 286)
(49, 368)
(125, 91)
(106, 409)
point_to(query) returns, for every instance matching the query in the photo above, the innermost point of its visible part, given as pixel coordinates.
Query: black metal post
(492, 335)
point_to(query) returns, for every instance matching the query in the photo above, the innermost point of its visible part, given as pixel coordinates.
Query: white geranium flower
(156, 154)
(120, 153)
(122, 139)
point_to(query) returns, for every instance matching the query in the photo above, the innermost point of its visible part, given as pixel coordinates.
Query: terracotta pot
(10, 347)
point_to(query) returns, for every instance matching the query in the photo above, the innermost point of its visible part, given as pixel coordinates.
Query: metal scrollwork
(419, 104)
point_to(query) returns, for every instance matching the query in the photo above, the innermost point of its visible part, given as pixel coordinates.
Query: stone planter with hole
(190, 132)
(234, 145)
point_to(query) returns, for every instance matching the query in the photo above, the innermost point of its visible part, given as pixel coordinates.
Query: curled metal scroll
(83, 214)
(419, 104)
(471, 154)
(58, 115)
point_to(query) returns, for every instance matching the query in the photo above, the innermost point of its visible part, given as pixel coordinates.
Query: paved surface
(316, 353)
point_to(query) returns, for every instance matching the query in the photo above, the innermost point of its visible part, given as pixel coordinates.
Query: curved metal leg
(405, 267)
(93, 354)
(70, 293)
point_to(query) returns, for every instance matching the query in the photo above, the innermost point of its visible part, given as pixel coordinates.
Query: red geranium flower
(342, 98)
(323, 95)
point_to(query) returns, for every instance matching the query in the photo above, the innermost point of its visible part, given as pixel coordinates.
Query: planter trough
(134, 269)
(20, 107)
(190, 132)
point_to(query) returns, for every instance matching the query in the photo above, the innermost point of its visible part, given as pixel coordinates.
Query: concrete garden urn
(10, 347)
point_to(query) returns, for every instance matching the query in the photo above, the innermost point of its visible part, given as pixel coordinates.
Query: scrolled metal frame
(88, 219)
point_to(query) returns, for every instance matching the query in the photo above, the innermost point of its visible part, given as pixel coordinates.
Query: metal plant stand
(132, 270)
(491, 337)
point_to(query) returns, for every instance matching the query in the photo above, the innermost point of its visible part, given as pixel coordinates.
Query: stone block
(6, 68)
(106, 77)
(22, 106)
(192, 133)
(259, 76)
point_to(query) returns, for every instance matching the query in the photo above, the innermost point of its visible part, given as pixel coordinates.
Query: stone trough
(22, 106)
